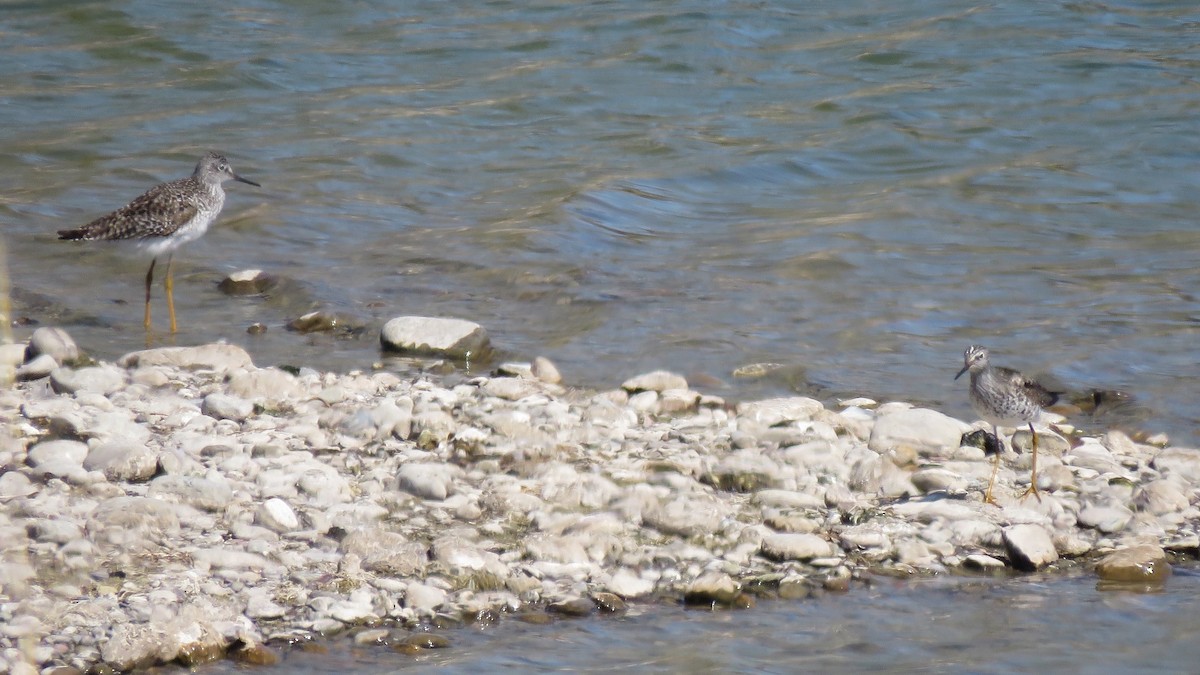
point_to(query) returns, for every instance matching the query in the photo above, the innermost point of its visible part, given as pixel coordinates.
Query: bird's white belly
(156, 246)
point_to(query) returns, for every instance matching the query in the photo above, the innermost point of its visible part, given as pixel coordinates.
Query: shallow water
(951, 624)
(854, 189)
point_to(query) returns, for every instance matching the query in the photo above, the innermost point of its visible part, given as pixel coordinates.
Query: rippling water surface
(943, 625)
(855, 189)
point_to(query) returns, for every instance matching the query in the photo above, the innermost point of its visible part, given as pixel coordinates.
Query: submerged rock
(454, 338)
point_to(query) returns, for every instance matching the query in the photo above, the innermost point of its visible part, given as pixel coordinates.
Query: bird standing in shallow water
(1005, 397)
(166, 217)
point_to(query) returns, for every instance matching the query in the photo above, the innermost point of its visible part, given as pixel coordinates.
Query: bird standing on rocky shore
(1005, 397)
(166, 217)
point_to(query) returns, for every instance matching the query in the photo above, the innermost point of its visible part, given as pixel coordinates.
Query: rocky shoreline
(183, 504)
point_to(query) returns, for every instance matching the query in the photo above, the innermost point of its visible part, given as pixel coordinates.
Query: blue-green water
(857, 189)
(933, 625)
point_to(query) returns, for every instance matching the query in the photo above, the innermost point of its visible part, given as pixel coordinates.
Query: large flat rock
(454, 338)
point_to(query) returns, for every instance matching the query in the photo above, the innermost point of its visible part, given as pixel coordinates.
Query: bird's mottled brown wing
(159, 212)
(1044, 397)
(1033, 389)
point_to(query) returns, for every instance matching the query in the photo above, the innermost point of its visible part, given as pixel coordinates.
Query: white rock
(1183, 463)
(1107, 519)
(629, 585)
(277, 515)
(544, 370)
(455, 338)
(428, 480)
(775, 411)
(225, 407)
(795, 546)
(201, 493)
(1029, 546)
(928, 432)
(265, 385)
(122, 461)
(53, 342)
(217, 357)
(423, 598)
(57, 452)
(38, 367)
(15, 484)
(100, 379)
(659, 380)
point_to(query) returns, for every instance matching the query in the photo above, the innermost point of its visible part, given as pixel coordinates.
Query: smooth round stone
(265, 384)
(36, 368)
(627, 584)
(795, 546)
(1160, 497)
(15, 484)
(509, 388)
(1050, 444)
(775, 411)
(386, 552)
(428, 480)
(980, 561)
(100, 379)
(247, 282)
(216, 357)
(1183, 463)
(1107, 519)
(122, 461)
(678, 400)
(201, 493)
(1137, 564)
(277, 515)
(712, 588)
(658, 380)
(57, 452)
(1029, 546)
(544, 370)
(572, 607)
(225, 407)
(644, 401)
(422, 597)
(939, 480)
(929, 432)
(54, 342)
(454, 338)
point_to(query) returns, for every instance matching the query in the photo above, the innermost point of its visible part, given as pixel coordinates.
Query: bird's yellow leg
(987, 497)
(171, 294)
(1033, 475)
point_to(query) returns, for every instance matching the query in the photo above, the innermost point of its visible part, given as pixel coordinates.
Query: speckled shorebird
(1005, 397)
(166, 217)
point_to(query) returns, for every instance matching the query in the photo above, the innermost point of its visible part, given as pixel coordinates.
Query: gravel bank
(183, 504)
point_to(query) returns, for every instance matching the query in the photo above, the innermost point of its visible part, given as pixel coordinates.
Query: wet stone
(36, 368)
(53, 342)
(573, 607)
(1144, 564)
(100, 379)
(122, 461)
(712, 589)
(247, 282)
(454, 338)
(795, 546)
(201, 493)
(1029, 546)
(657, 381)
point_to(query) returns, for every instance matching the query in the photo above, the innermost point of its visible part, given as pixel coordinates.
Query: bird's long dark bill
(960, 373)
(247, 181)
